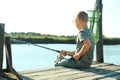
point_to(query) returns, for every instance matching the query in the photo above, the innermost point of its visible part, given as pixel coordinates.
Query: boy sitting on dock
(83, 55)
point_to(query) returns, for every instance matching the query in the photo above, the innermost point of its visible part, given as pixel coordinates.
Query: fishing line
(35, 45)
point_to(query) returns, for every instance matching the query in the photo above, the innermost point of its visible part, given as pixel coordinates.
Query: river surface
(29, 57)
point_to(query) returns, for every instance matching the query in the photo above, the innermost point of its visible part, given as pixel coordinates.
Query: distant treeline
(111, 41)
(40, 38)
(33, 37)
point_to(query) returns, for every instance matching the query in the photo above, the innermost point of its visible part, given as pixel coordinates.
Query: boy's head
(83, 16)
(81, 20)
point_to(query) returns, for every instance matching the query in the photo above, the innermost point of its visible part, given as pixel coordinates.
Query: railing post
(9, 58)
(99, 45)
(8, 47)
(1, 44)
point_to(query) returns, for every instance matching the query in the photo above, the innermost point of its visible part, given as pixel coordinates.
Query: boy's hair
(83, 16)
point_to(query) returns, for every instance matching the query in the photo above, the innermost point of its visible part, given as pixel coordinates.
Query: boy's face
(78, 23)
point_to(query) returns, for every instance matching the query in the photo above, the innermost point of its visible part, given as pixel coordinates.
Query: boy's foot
(59, 58)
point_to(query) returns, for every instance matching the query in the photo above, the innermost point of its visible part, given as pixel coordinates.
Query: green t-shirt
(86, 59)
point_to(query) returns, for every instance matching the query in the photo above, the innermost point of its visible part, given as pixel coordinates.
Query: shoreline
(54, 41)
(37, 38)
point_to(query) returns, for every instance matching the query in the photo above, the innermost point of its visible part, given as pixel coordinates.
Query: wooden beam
(99, 45)
(8, 47)
(9, 59)
(1, 44)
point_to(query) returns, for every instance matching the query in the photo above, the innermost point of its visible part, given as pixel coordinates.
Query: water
(29, 57)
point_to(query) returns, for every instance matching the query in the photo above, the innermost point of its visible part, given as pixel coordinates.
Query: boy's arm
(64, 53)
(70, 53)
(83, 50)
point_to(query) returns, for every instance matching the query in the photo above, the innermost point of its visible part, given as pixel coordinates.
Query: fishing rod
(35, 45)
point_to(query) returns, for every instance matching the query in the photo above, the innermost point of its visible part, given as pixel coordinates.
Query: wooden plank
(65, 74)
(76, 74)
(101, 76)
(45, 71)
(95, 64)
(58, 68)
(54, 70)
(2, 78)
(41, 73)
(62, 73)
(42, 70)
(116, 77)
(52, 75)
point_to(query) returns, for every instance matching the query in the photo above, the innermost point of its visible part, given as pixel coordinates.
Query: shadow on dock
(26, 78)
(97, 73)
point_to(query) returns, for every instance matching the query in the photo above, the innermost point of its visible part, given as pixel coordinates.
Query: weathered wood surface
(101, 71)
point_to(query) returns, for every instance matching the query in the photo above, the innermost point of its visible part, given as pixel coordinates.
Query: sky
(55, 17)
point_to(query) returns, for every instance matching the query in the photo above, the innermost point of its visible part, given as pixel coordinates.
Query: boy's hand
(76, 56)
(63, 52)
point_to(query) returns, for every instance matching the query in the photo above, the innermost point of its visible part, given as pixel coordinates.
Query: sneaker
(59, 58)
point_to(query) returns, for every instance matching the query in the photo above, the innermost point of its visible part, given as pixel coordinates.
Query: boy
(83, 55)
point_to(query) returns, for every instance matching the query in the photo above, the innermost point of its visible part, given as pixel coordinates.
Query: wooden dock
(102, 71)
(97, 71)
